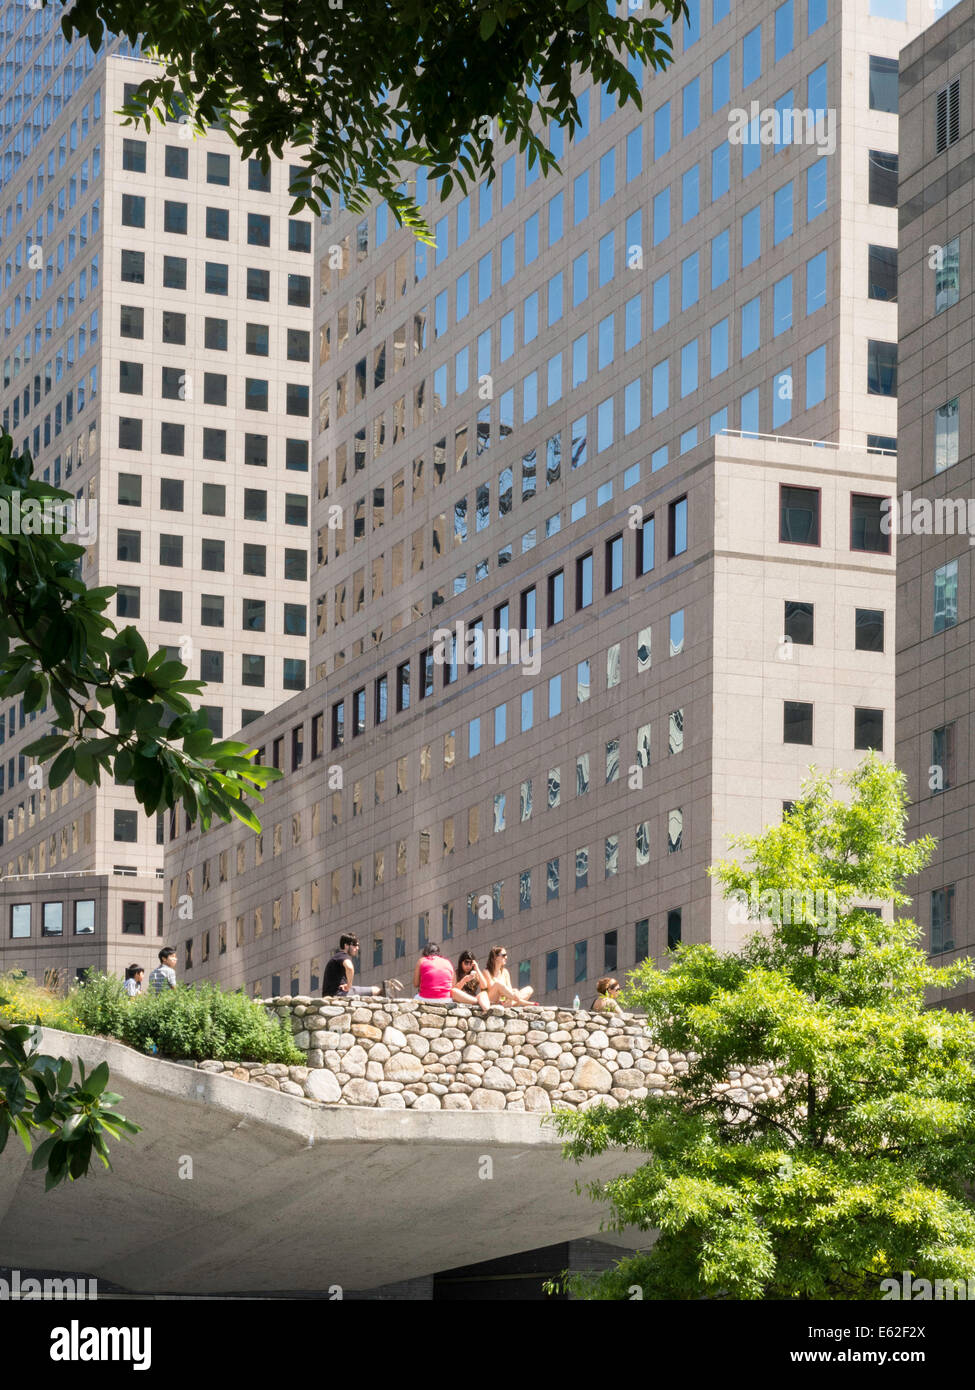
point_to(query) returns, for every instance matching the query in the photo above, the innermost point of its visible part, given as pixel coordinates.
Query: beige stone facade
(935, 467)
(583, 797)
(157, 366)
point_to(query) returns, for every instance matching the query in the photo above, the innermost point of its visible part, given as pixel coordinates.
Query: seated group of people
(436, 981)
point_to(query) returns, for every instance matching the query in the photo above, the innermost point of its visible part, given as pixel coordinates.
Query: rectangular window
(882, 178)
(799, 515)
(799, 623)
(946, 116)
(583, 581)
(942, 759)
(946, 435)
(942, 920)
(881, 368)
(883, 84)
(866, 523)
(797, 724)
(947, 276)
(882, 273)
(946, 596)
(868, 729)
(676, 527)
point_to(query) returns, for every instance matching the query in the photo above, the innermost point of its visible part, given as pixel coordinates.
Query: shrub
(195, 1022)
(23, 1000)
(101, 1005)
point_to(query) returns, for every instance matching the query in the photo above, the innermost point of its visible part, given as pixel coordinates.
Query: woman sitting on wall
(433, 977)
(470, 983)
(605, 1002)
(499, 986)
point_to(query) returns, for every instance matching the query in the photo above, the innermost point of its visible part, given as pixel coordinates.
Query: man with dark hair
(340, 973)
(164, 975)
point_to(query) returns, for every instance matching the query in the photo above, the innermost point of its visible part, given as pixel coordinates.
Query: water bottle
(575, 1002)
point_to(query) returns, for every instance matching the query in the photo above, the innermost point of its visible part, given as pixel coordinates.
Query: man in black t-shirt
(340, 973)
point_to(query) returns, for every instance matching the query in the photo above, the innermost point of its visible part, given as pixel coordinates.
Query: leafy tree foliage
(368, 86)
(859, 1170)
(116, 708)
(39, 1096)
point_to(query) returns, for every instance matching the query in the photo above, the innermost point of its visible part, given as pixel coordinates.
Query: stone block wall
(423, 1056)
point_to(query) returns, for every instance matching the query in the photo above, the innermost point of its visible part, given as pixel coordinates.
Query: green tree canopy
(857, 1172)
(57, 645)
(369, 87)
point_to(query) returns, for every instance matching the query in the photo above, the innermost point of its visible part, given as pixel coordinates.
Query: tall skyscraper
(156, 363)
(936, 486)
(646, 412)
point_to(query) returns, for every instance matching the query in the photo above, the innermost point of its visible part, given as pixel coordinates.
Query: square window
(869, 629)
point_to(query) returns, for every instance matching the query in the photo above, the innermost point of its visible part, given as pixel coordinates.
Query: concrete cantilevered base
(285, 1195)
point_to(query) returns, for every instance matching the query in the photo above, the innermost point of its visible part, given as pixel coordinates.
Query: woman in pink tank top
(433, 976)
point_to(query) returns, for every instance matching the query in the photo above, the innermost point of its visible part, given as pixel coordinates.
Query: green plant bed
(25, 1001)
(191, 1022)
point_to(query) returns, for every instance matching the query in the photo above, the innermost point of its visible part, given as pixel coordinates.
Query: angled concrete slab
(287, 1195)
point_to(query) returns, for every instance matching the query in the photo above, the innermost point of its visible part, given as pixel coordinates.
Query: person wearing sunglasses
(607, 996)
(499, 987)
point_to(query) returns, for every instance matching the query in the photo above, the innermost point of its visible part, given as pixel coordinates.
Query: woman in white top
(499, 987)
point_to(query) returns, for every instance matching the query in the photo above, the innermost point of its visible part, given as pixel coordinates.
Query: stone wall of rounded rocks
(423, 1056)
